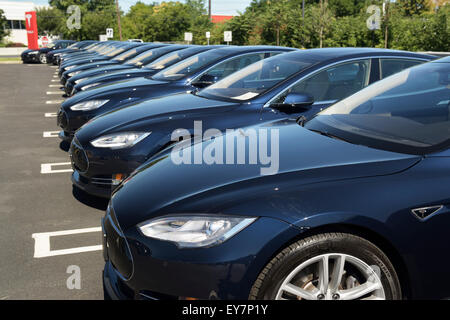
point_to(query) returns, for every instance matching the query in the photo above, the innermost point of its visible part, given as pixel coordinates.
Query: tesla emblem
(28, 17)
(423, 213)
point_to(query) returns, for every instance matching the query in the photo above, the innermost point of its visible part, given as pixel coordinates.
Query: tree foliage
(3, 30)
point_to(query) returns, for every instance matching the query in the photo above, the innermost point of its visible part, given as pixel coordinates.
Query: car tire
(359, 258)
(43, 58)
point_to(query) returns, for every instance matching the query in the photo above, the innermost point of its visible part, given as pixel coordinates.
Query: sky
(219, 7)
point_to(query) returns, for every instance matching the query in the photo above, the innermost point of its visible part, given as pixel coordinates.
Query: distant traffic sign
(188, 36)
(228, 36)
(110, 33)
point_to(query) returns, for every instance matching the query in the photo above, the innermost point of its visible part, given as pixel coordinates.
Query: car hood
(117, 88)
(94, 69)
(145, 112)
(84, 60)
(116, 73)
(305, 158)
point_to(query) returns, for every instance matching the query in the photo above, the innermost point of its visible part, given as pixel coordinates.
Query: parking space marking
(47, 168)
(54, 101)
(50, 134)
(53, 92)
(55, 76)
(42, 243)
(54, 86)
(53, 80)
(50, 114)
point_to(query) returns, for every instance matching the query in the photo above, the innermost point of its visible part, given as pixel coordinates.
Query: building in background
(15, 14)
(220, 18)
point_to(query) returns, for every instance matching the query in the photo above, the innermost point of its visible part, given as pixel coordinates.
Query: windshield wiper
(330, 135)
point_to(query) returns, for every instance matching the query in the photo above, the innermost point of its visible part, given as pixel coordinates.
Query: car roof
(330, 54)
(238, 49)
(443, 60)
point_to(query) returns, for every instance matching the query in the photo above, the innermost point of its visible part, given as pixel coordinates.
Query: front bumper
(162, 271)
(101, 190)
(30, 58)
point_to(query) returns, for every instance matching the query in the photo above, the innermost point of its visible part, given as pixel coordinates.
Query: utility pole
(303, 9)
(209, 10)
(118, 19)
(386, 24)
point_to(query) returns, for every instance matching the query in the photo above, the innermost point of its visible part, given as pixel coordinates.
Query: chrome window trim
(267, 105)
(189, 81)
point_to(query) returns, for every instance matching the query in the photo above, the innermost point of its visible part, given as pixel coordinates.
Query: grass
(12, 59)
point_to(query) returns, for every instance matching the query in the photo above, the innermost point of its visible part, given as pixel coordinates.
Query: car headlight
(74, 73)
(88, 105)
(89, 86)
(69, 68)
(33, 52)
(120, 140)
(194, 231)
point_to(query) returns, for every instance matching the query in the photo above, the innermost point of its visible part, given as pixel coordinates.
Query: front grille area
(118, 250)
(78, 157)
(62, 119)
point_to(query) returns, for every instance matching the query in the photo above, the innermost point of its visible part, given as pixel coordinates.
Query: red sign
(32, 30)
(44, 41)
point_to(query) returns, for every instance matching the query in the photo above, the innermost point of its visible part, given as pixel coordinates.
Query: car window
(389, 67)
(406, 112)
(334, 83)
(228, 67)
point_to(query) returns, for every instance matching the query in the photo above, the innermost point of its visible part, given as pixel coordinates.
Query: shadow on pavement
(89, 200)
(64, 146)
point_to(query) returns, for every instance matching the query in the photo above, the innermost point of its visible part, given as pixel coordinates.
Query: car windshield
(408, 112)
(257, 78)
(171, 58)
(188, 66)
(115, 52)
(138, 60)
(125, 55)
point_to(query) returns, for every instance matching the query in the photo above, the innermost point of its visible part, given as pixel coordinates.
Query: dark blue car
(140, 69)
(292, 85)
(151, 53)
(197, 71)
(52, 56)
(359, 207)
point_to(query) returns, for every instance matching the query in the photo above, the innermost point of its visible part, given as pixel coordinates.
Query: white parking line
(42, 243)
(47, 168)
(50, 134)
(50, 115)
(55, 76)
(53, 92)
(54, 101)
(54, 86)
(54, 80)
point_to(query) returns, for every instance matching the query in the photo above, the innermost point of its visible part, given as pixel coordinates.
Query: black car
(140, 69)
(294, 85)
(190, 74)
(41, 55)
(52, 56)
(359, 208)
(106, 53)
(152, 52)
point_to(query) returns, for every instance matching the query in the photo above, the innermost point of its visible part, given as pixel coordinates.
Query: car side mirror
(205, 81)
(295, 102)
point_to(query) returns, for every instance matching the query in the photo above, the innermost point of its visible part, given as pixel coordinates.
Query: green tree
(50, 20)
(3, 30)
(135, 24)
(413, 7)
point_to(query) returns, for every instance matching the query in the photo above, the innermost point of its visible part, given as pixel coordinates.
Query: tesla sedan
(291, 85)
(359, 208)
(200, 70)
(121, 59)
(141, 69)
(142, 59)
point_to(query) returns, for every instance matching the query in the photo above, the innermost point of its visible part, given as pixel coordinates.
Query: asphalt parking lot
(47, 228)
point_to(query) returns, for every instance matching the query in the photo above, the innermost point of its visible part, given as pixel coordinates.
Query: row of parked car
(262, 172)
